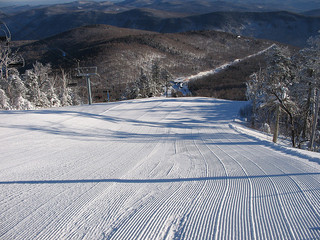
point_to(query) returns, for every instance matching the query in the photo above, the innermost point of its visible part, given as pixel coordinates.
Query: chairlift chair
(3, 38)
(4, 30)
(78, 76)
(18, 63)
(72, 84)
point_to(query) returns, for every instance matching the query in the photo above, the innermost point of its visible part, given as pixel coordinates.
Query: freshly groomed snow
(151, 169)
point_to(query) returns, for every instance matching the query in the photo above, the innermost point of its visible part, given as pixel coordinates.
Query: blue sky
(32, 2)
(38, 2)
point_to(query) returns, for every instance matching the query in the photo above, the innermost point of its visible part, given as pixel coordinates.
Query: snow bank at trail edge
(283, 145)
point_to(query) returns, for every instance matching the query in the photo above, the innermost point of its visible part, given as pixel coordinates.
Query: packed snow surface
(151, 169)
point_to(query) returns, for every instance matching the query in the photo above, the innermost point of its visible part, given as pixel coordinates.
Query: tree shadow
(283, 149)
(149, 181)
(213, 111)
(315, 229)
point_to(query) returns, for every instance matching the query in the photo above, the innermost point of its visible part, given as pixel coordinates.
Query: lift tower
(87, 72)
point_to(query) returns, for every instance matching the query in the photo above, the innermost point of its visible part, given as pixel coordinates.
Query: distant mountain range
(184, 37)
(313, 13)
(165, 16)
(196, 6)
(224, 5)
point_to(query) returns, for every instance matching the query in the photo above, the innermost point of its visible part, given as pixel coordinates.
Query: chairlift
(78, 76)
(5, 30)
(17, 64)
(87, 72)
(3, 38)
(72, 84)
(63, 53)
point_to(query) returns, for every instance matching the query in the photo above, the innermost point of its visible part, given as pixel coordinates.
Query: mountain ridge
(282, 26)
(121, 54)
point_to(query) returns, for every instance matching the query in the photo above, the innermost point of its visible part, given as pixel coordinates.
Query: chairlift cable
(66, 56)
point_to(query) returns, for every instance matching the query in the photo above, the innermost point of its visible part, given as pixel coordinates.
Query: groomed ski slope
(151, 169)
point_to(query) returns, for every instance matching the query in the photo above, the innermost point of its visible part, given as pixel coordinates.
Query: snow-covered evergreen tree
(17, 92)
(40, 86)
(309, 74)
(150, 83)
(65, 94)
(291, 83)
(34, 92)
(254, 94)
(271, 89)
(5, 58)
(4, 101)
(279, 81)
(36, 88)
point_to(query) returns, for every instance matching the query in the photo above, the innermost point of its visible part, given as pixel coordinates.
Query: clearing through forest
(159, 168)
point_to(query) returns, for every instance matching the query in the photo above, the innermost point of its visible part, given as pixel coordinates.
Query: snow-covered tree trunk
(17, 93)
(5, 53)
(306, 113)
(276, 129)
(271, 89)
(314, 120)
(309, 72)
(279, 81)
(253, 93)
(4, 101)
(64, 93)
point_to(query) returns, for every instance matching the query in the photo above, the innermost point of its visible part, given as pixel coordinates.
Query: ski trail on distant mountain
(222, 67)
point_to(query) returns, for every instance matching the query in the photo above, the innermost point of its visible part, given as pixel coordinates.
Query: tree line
(38, 87)
(149, 84)
(45, 87)
(285, 95)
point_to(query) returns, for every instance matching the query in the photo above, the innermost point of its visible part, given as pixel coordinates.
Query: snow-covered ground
(151, 169)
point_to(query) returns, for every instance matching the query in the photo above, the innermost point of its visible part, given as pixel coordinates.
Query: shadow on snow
(221, 111)
(169, 180)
